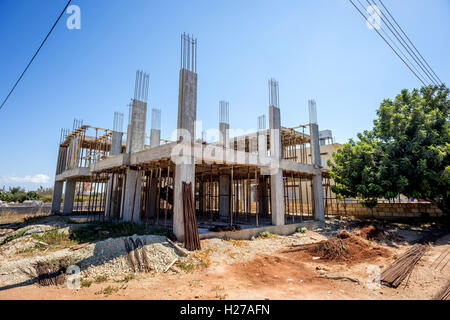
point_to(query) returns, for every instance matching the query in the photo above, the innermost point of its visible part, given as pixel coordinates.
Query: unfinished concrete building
(272, 177)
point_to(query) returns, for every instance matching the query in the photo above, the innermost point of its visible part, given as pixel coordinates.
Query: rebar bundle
(137, 255)
(274, 93)
(191, 238)
(398, 271)
(224, 112)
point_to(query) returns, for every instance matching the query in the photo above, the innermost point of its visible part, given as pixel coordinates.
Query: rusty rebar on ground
(398, 271)
(191, 237)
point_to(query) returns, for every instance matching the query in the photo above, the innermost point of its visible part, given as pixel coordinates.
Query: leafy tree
(414, 131)
(354, 171)
(407, 152)
(17, 194)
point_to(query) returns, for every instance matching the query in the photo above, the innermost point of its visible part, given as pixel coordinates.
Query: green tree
(354, 170)
(407, 152)
(414, 131)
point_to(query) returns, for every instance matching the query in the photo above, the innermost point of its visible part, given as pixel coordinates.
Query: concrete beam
(73, 174)
(156, 153)
(111, 162)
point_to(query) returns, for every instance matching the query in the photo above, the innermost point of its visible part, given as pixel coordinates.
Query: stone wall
(384, 210)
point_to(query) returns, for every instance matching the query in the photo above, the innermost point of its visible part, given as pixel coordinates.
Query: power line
(409, 40)
(407, 47)
(365, 18)
(32, 59)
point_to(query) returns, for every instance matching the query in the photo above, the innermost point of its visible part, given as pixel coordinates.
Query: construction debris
(398, 271)
(79, 246)
(179, 249)
(192, 240)
(442, 260)
(171, 264)
(344, 247)
(137, 255)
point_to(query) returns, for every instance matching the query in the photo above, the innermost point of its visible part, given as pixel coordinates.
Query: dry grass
(108, 290)
(266, 234)
(11, 216)
(239, 243)
(204, 256)
(219, 294)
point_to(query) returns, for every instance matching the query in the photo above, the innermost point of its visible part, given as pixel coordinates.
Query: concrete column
(319, 213)
(69, 195)
(276, 178)
(185, 168)
(128, 141)
(116, 143)
(132, 198)
(57, 194)
(183, 173)
(155, 138)
(224, 196)
(136, 128)
(224, 134)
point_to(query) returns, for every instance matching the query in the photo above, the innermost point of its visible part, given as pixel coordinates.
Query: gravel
(107, 258)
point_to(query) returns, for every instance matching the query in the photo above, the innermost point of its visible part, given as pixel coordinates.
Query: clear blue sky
(317, 49)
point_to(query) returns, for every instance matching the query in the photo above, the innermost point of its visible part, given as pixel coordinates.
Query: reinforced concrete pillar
(224, 134)
(224, 195)
(131, 208)
(276, 178)
(69, 195)
(319, 213)
(57, 194)
(185, 165)
(155, 138)
(136, 129)
(116, 143)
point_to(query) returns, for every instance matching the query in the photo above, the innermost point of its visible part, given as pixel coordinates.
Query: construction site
(272, 177)
(253, 216)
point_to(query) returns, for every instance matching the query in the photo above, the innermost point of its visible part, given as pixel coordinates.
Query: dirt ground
(265, 269)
